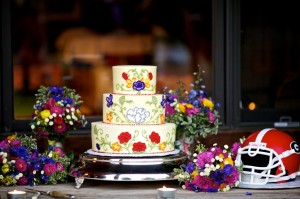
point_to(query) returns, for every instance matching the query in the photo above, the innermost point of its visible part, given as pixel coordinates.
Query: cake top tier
(134, 79)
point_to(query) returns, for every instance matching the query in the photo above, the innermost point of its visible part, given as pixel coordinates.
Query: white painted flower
(137, 115)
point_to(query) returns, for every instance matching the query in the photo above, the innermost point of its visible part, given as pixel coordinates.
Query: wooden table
(142, 190)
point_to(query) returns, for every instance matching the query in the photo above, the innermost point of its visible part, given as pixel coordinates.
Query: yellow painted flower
(147, 82)
(45, 114)
(5, 168)
(162, 118)
(109, 116)
(116, 146)
(162, 146)
(182, 108)
(207, 103)
(130, 82)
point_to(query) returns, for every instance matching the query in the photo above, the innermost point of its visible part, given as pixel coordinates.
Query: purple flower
(20, 151)
(218, 176)
(211, 116)
(228, 169)
(190, 167)
(169, 110)
(192, 111)
(163, 102)
(204, 158)
(4, 144)
(109, 100)
(234, 149)
(138, 85)
(22, 181)
(67, 100)
(49, 169)
(15, 143)
(98, 146)
(60, 152)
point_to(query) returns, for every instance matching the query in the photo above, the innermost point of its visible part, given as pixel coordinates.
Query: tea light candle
(166, 192)
(15, 194)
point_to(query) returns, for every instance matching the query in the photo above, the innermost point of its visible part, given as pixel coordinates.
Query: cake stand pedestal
(126, 168)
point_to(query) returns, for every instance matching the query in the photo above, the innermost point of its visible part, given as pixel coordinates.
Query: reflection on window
(270, 60)
(75, 43)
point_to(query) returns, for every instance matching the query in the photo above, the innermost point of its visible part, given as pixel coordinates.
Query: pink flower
(41, 132)
(4, 144)
(211, 117)
(49, 169)
(50, 103)
(169, 110)
(231, 179)
(203, 182)
(22, 181)
(60, 128)
(21, 165)
(16, 143)
(59, 151)
(192, 111)
(204, 158)
(56, 109)
(59, 167)
(234, 150)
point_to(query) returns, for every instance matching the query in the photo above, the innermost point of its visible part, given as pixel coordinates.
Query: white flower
(51, 117)
(54, 114)
(34, 172)
(68, 117)
(32, 126)
(42, 172)
(50, 123)
(71, 122)
(47, 120)
(73, 109)
(38, 123)
(4, 160)
(137, 115)
(226, 146)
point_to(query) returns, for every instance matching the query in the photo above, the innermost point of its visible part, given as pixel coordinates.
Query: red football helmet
(267, 156)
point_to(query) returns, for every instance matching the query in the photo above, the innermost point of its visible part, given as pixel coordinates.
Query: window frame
(226, 61)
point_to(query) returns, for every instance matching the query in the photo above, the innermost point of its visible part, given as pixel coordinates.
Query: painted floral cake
(133, 115)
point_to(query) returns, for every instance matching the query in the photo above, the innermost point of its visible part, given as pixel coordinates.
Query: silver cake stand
(126, 168)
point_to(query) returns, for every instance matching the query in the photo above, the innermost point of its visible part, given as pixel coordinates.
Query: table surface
(136, 190)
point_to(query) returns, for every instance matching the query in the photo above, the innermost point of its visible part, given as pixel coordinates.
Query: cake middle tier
(133, 109)
(133, 139)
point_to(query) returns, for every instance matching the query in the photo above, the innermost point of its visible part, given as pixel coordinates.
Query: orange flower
(116, 146)
(12, 137)
(162, 118)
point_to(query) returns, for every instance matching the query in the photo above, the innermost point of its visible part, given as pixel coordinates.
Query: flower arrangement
(212, 170)
(56, 112)
(192, 111)
(22, 164)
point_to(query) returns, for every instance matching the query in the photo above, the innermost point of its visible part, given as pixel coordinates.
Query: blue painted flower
(109, 100)
(98, 146)
(138, 85)
(163, 101)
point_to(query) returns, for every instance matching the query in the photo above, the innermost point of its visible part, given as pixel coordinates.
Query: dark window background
(270, 61)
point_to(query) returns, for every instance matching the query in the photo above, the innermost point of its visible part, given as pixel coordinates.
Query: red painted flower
(139, 147)
(154, 137)
(125, 76)
(150, 75)
(124, 137)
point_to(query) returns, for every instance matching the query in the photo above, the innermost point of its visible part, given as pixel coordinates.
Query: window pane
(75, 43)
(270, 60)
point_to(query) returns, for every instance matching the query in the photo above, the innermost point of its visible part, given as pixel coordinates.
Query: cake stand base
(120, 168)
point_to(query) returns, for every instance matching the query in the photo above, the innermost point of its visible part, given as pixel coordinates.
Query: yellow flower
(182, 108)
(5, 168)
(109, 117)
(189, 106)
(207, 103)
(227, 160)
(162, 146)
(45, 114)
(194, 173)
(116, 146)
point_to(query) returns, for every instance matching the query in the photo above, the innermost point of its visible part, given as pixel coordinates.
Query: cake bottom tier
(132, 139)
